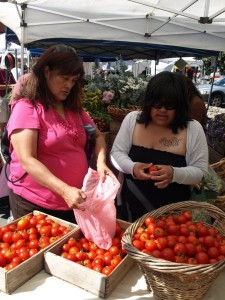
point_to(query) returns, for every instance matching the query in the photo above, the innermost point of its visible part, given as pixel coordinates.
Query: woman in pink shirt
(48, 138)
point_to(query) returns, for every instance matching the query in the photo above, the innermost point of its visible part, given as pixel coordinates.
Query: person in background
(48, 159)
(197, 108)
(6, 76)
(159, 151)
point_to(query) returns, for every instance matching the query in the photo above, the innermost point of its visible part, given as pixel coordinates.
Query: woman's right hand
(139, 171)
(74, 197)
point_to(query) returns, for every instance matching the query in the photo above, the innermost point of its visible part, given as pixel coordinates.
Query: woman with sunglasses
(46, 130)
(162, 135)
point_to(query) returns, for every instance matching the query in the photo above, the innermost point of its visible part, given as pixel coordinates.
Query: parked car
(218, 92)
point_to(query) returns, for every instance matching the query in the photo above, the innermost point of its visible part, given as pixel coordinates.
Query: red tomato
(156, 253)
(190, 249)
(172, 229)
(40, 216)
(33, 221)
(222, 249)
(9, 255)
(93, 246)
(72, 242)
(91, 254)
(168, 254)
(180, 219)
(202, 258)
(2, 260)
(23, 224)
(138, 244)
(115, 261)
(7, 237)
(24, 255)
(107, 259)
(192, 261)
(97, 268)
(71, 250)
(179, 249)
(144, 236)
(152, 169)
(107, 270)
(158, 232)
(20, 243)
(208, 241)
(150, 245)
(33, 244)
(213, 252)
(148, 220)
(118, 229)
(161, 224)
(202, 231)
(184, 230)
(192, 228)
(162, 243)
(114, 250)
(46, 230)
(32, 252)
(86, 246)
(98, 261)
(187, 215)
(180, 259)
(151, 228)
(116, 241)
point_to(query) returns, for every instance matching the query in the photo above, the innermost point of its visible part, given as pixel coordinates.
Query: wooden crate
(82, 277)
(11, 280)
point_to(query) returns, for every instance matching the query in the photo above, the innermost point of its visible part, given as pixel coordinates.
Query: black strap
(10, 180)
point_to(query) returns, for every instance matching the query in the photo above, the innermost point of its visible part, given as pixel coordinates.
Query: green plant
(216, 133)
(96, 108)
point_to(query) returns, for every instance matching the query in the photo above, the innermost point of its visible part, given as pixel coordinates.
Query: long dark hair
(65, 61)
(167, 87)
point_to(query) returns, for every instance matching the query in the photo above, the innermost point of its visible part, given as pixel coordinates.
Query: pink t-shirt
(60, 148)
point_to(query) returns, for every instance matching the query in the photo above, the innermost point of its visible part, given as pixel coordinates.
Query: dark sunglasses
(64, 48)
(167, 106)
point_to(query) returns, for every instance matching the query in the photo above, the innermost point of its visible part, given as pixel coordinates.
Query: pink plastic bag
(98, 221)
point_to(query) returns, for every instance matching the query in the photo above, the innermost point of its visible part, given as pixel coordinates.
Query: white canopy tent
(117, 27)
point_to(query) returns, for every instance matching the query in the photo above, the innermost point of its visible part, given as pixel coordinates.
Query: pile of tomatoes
(88, 254)
(22, 239)
(178, 239)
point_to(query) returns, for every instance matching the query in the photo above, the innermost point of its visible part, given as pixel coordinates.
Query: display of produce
(26, 237)
(88, 254)
(179, 239)
(179, 255)
(22, 246)
(82, 263)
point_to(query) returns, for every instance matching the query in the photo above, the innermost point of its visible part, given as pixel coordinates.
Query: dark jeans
(20, 207)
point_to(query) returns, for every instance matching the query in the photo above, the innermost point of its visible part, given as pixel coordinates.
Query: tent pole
(214, 72)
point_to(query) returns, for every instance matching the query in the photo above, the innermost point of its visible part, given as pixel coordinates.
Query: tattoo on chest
(170, 142)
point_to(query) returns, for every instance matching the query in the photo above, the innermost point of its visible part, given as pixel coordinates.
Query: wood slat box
(11, 280)
(90, 280)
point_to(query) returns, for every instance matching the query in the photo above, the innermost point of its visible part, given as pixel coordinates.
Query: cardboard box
(85, 278)
(11, 280)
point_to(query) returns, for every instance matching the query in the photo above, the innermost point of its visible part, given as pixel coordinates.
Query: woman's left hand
(103, 170)
(163, 176)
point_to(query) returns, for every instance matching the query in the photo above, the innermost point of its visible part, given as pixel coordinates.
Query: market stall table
(132, 287)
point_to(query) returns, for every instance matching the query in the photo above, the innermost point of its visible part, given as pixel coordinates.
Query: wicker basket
(120, 113)
(219, 168)
(170, 280)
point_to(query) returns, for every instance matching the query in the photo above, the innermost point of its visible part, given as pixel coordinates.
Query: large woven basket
(219, 168)
(120, 113)
(170, 280)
